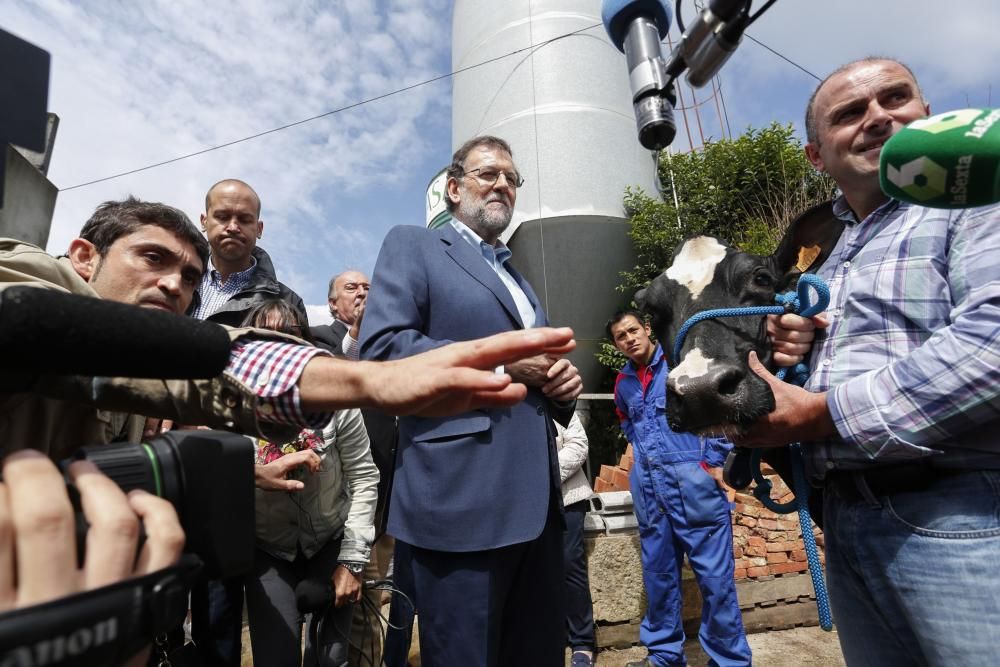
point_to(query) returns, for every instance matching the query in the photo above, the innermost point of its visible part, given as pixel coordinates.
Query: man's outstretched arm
(452, 379)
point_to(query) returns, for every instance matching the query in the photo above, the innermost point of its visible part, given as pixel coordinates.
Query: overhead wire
(397, 91)
(346, 107)
(538, 165)
(783, 57)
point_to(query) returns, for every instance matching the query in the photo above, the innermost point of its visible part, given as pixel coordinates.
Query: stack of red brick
(764, 543)
(615, 478)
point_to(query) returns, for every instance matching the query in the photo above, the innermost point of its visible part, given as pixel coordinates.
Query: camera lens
(207, 476)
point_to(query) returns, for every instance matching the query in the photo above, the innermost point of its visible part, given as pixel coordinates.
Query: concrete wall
(29, 200)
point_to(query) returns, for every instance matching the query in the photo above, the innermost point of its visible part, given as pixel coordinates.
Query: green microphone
(949, 160)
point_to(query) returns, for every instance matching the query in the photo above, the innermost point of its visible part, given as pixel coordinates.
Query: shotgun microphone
(709, 41)
(48, 332)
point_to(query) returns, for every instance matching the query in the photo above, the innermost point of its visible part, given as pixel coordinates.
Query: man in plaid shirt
(901, 414)
(240, 273)
(239, 276)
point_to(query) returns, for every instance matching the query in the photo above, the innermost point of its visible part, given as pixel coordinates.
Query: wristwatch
(353, 567)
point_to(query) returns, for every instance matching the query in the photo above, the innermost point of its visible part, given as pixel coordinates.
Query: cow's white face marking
(695, 365)
(695, 264)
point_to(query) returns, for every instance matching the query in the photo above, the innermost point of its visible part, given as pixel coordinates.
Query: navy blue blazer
(330, 336)
(478, 480)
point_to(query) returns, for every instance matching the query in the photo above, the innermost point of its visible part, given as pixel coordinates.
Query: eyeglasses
(354, 287)
(489, 176)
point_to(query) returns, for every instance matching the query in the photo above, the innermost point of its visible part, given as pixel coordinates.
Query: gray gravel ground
(781, 648)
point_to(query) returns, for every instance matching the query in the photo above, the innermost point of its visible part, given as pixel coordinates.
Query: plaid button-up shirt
(213, 293)
(912, 353)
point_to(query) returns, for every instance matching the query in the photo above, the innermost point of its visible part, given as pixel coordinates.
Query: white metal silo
(563, 103)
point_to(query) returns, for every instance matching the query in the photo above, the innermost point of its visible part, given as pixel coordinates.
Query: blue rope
(795, 302)
(755, 311)
(809, 539)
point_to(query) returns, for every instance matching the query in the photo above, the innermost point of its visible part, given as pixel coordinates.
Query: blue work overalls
(681, 510)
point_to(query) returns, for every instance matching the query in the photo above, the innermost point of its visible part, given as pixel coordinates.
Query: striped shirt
(911, 358)
(213, 293)
(497, 257)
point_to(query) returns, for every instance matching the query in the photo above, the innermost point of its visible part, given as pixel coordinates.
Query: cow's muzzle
(727, 398)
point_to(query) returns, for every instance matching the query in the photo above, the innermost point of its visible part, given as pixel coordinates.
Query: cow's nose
(708, 399)
(718, 382)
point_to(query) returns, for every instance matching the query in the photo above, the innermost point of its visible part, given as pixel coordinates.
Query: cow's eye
(763, 280)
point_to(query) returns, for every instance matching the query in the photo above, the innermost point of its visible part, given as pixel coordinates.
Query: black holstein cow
(712, 389)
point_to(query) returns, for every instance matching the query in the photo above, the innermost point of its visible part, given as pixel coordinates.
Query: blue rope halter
(796, 302)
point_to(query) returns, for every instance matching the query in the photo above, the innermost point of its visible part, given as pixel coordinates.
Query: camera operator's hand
(155, 426)
(38, 560)
(346, 586)
(273, 476)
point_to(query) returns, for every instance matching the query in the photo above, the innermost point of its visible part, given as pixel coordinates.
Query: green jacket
(60, 414)
(338, 499)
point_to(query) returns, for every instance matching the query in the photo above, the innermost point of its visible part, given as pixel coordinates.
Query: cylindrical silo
(564, 105)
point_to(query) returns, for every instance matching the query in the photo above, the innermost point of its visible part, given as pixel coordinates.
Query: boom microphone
(708, 42)
(950, 160)
(47, 332)
(636, 28)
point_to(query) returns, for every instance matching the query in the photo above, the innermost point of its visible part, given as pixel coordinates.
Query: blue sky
(138, 83)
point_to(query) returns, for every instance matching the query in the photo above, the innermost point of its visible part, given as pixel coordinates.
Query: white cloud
(136, 84)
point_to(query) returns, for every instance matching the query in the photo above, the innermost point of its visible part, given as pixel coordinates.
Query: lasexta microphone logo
(922, 178)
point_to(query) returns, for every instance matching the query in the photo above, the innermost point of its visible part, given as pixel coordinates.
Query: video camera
(208, 477)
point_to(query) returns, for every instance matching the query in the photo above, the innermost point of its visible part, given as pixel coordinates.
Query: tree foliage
(745, 190)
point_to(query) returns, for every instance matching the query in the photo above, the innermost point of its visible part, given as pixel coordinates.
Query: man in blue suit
(475, 500)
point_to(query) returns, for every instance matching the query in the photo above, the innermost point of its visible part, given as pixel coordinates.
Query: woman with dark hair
(314, 525)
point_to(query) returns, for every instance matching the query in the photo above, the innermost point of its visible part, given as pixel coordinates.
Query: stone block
(616, 578)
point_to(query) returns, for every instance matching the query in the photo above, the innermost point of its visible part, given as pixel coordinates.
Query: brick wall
(765, 544)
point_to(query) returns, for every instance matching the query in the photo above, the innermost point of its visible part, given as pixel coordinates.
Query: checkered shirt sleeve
(272, 369)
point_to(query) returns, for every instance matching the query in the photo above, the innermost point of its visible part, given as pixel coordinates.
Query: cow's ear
(640, 299)
(653, 301)
(807, 243)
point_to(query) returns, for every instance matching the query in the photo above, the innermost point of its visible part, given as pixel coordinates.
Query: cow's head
(712, 389)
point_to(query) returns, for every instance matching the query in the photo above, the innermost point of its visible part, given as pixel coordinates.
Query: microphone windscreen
(312, 595)
(618, 14)
(48, 332)
(950, 160)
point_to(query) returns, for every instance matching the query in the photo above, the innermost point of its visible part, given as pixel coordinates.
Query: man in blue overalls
(680, 507)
